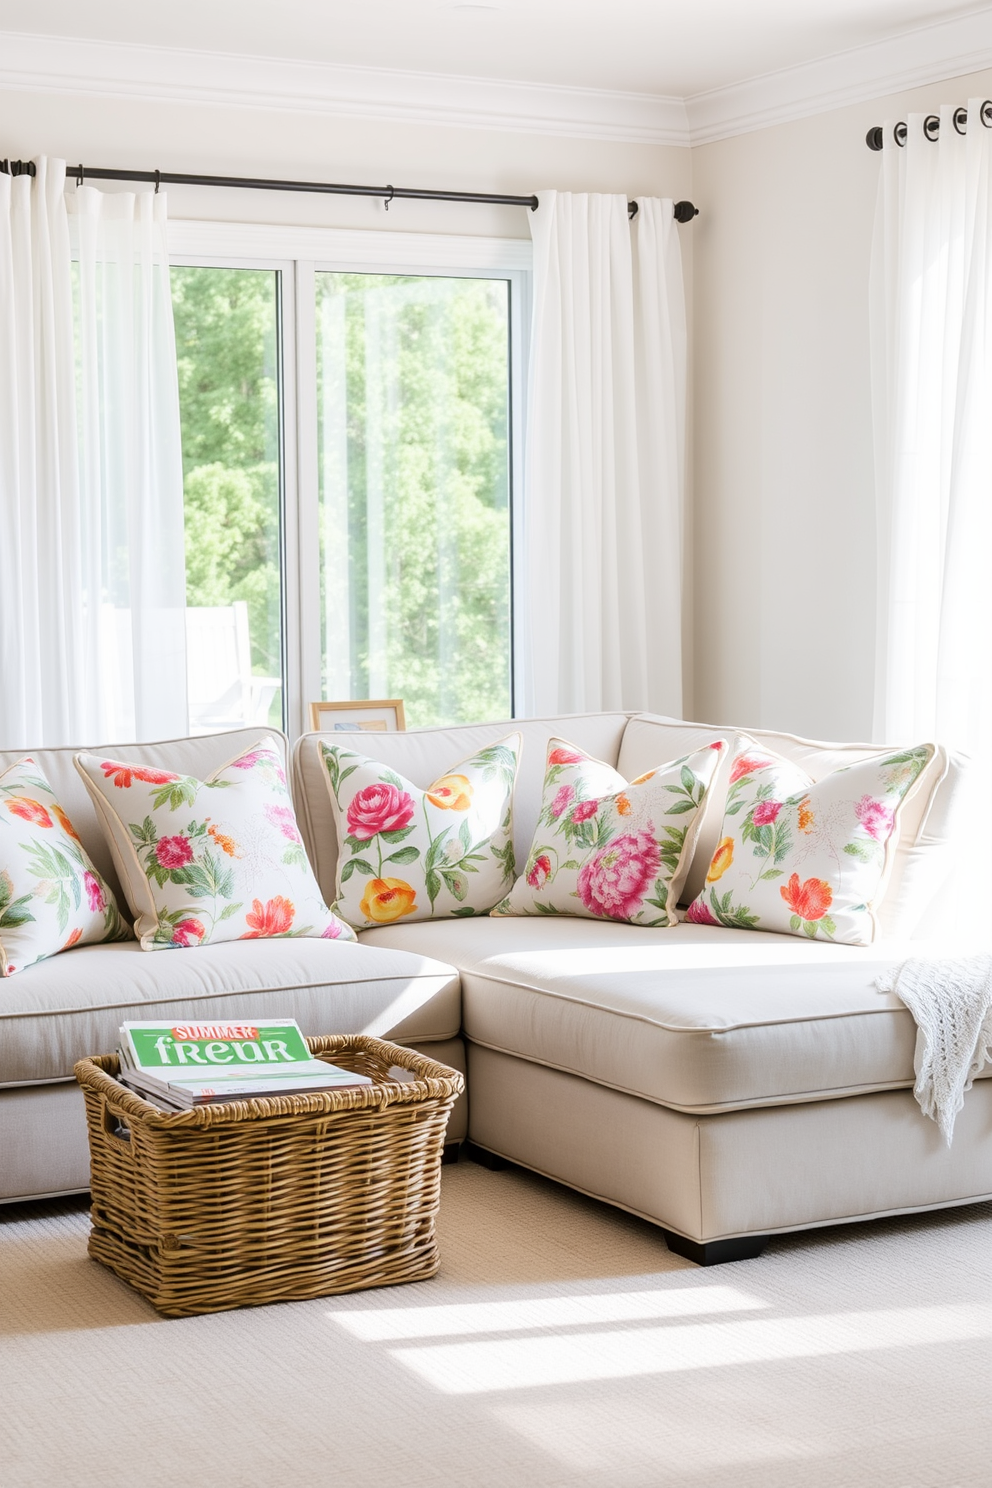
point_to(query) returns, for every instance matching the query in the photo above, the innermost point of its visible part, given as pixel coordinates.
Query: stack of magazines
(194, 1064)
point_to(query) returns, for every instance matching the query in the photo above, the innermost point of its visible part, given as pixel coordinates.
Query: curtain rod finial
(685, 211)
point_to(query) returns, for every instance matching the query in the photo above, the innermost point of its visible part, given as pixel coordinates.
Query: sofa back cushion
(198, 757)
(929, 821)
(422, 755)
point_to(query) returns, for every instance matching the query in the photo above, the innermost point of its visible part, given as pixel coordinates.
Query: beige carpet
(561, 1344)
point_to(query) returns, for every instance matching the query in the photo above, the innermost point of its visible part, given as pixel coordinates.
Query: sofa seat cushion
(71, 1006)
(696, 1018)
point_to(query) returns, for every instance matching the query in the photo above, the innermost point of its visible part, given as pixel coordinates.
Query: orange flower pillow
(804, 857)
(410, 854)
(203, 861)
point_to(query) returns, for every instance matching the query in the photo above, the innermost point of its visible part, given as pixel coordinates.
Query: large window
(413, 379)
(348, 464)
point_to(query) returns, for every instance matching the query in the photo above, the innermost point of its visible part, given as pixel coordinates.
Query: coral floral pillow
(204, 861)
(608, 849)
(51, 896)
(411, 854)
(804, 858)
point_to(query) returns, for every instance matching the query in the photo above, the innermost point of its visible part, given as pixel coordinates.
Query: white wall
(784, 507)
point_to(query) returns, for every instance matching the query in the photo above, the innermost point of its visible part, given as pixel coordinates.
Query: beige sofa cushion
(421, 755)
(696, 1018)
(928, 820)
(197, 757)
(71, 1006)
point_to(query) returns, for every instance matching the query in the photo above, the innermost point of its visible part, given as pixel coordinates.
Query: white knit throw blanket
(951, 1001)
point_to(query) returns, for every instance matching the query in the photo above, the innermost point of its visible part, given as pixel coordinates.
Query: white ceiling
(675, 48)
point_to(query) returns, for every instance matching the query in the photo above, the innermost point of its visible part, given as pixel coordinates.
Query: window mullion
(520, 313)
(307, 514)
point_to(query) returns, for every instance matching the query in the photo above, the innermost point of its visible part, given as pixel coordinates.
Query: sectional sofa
(727, 1085)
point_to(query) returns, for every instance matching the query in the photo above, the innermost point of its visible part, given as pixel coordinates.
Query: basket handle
(115, 1125)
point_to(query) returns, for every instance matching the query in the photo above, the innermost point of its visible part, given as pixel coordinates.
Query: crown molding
(928, 55)
(946, 49)
(47, 64)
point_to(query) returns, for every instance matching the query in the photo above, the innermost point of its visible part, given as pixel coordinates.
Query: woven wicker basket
(268, 1200)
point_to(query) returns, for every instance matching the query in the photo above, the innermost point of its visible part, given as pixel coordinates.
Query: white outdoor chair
(223, 693)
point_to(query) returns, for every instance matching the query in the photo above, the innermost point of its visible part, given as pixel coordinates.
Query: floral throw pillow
(204, 861)
(806, 858)
(51, 896)
(609, 849)
(410, 854)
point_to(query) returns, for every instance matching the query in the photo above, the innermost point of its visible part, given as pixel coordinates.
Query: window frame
(297, 255)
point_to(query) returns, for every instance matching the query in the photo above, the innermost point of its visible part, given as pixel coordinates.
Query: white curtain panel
(931, 305)
(131, 477)
(603, 505)
(92, 592)
(43, 696)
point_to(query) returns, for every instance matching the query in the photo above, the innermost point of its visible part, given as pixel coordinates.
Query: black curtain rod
(875, 138)
(684, 210)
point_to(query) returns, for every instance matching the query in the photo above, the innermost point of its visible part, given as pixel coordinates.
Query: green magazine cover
(266, 1046)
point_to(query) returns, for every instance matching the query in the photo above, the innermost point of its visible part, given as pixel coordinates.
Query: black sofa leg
(716, 1252)
(485, 1159)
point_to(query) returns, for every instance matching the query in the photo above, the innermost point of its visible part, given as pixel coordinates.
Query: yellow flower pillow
(410, 854)
(803, 857)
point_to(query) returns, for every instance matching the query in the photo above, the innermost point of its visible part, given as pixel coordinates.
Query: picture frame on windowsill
(372, 715)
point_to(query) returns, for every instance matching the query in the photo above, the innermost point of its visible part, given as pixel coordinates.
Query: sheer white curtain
(932, 370)
(92, 592)
(603, 519)
(42, 685)
(131, 476)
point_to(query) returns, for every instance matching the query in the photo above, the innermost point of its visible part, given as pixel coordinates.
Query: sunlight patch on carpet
(541, 1312)
(528, 1363)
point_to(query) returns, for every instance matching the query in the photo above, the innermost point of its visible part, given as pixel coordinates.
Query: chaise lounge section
(724, 1084)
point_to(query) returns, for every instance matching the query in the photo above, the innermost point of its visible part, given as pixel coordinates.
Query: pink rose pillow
(204, 861)
(51, 896)
(611, 850)
(411, 854)
(804, 857)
